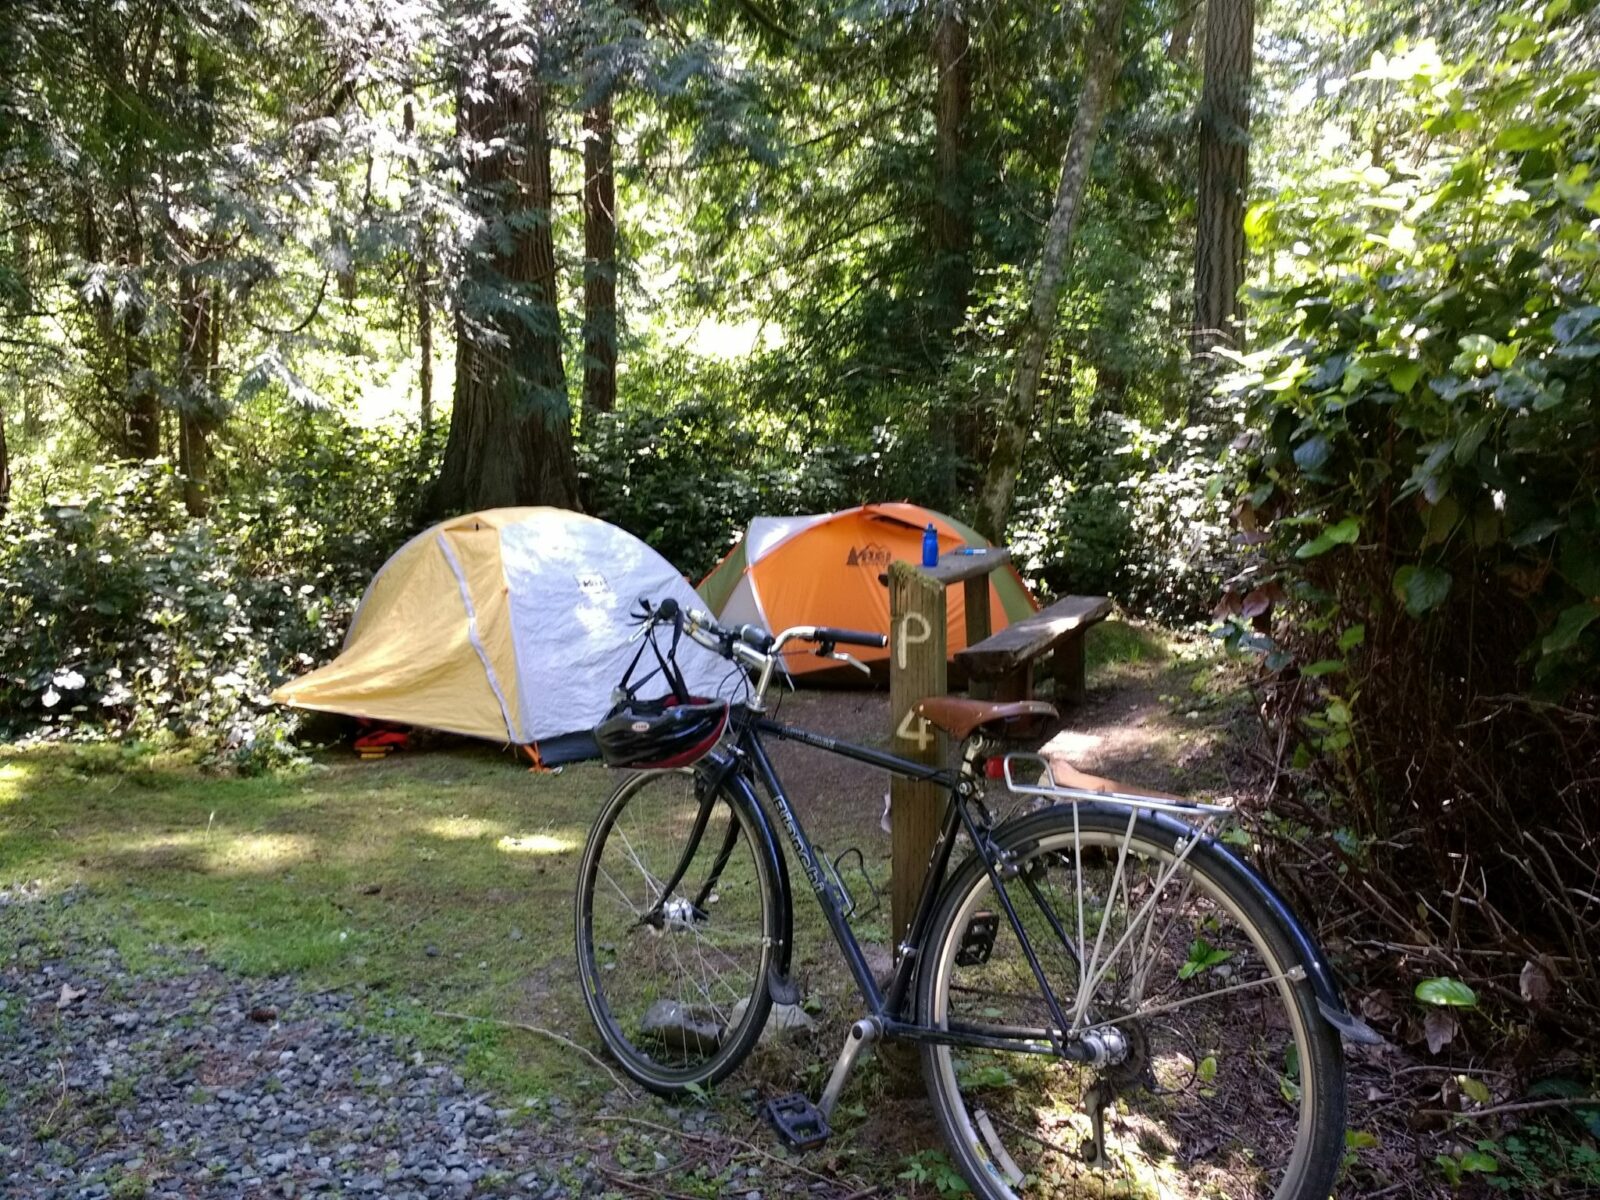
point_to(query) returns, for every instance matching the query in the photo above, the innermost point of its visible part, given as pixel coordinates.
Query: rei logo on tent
(870, 555)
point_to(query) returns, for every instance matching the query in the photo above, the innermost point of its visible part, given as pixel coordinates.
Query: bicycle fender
(720, 763)
(1318, 972)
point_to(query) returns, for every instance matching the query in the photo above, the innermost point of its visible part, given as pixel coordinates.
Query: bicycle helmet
(657, 734)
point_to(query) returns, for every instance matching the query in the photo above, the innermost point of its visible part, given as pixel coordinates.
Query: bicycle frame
(890, 1008)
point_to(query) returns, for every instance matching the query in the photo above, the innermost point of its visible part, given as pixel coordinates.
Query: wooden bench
(1000, 667)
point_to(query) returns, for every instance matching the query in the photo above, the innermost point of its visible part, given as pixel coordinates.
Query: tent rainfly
(510, 625)
(824, 569)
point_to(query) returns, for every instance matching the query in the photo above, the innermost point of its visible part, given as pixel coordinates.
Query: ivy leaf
(1569, 625)
(1447, 993)
(1312, 453)
(1535, 531)
(1421, 588)
(1526, 135)
(1569, 325)
(1404, 377)
(1341, 534)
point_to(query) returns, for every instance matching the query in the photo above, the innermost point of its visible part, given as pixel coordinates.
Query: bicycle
(1106, 1000)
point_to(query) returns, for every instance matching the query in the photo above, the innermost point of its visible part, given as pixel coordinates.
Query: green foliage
(1447, 992)
(1130, 510)
(1421, 482)
(688, 476)
(1202, 957)
(123, 617)
(933, 1168)
(1432, 392)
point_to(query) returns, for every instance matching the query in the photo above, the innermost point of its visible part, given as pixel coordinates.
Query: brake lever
(848, 658)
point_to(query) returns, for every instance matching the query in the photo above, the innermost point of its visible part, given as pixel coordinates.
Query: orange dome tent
(823, 569)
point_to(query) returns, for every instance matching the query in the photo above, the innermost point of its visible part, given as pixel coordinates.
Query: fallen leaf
(1440, 1028)
(1534, 984)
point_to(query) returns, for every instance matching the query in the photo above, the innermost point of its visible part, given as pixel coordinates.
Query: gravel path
(190, 1082)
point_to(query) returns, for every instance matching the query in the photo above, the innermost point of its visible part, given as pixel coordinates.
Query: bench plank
(1023, 641)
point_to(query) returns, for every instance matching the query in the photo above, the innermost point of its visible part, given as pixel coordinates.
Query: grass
(446, 876)
(436, 882)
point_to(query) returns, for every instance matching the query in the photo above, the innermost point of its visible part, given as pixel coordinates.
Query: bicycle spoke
(1201, 1093)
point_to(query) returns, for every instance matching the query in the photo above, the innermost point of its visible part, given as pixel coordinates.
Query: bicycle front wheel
(675, 980)
(1219, 1077)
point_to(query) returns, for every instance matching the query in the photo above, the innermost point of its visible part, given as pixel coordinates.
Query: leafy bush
(687, 477)
(122, 616)
(1426, 490)
(1132, 511)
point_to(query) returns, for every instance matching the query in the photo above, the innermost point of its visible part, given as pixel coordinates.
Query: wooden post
(917, 669)
(979, 626)
(1070, 670)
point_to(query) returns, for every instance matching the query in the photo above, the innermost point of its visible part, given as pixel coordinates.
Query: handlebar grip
(851, 637)
(755, 637)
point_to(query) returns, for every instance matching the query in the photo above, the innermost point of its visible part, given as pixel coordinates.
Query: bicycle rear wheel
(675, 983)
(1223, 1079)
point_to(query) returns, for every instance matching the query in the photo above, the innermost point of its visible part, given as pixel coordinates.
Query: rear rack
(1052, 790)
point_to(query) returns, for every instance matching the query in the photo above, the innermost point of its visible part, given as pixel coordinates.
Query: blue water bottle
(930, 546)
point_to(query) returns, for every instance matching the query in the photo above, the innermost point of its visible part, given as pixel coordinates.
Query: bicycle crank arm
(862, 1034)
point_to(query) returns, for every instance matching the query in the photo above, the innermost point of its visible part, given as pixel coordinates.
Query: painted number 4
(914, 729)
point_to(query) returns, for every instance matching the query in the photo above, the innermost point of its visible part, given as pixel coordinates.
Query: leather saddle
(962, 717)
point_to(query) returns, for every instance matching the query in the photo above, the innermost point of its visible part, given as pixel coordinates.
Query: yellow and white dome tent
(510, 625)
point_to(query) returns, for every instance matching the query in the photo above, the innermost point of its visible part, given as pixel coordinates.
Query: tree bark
(1224, 137)
(510, 438)
(599, 260)
(1182, 31)
(5, 467)
(197, 331)
(144, 402)
(422, 294)
(1017, 416)
(952, 196)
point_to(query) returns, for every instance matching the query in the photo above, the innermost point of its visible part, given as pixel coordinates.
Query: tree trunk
(197, 332)
(195, 405)
(510, 438)
(5, 467)
(1017, 417)
(952, 197)
(144, 402)
(1224, 134)
(1182, 32)
(599, 261)
(422, 294)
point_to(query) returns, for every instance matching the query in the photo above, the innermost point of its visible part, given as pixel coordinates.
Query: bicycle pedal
(798, 1122)
(977, 943)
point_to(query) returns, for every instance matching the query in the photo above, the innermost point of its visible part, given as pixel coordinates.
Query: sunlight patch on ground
(12, 777)
(1069, 745)
(535, 843)
(218, 851)
(461, 829)
(259, 851)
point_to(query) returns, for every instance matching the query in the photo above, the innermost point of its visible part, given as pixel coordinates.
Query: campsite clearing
(441, 883)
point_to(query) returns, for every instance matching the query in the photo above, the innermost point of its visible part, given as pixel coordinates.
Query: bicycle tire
(619, 1024)
(973, 1133)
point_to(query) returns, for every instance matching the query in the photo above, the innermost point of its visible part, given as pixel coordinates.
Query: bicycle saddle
(961, 717)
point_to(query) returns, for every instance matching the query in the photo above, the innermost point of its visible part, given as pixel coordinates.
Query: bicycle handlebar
(850, 637)
(753, 646)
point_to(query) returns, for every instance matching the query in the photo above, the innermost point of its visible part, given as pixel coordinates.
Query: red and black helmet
(657, 734)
